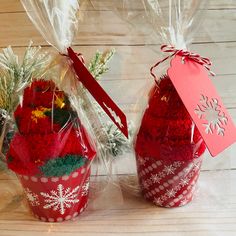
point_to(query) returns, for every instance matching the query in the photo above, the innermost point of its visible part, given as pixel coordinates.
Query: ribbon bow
(204, 61)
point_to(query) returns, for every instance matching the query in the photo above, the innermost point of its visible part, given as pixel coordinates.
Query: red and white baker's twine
(204, 61)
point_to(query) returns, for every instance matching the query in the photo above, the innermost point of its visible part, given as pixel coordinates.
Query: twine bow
(204, 61)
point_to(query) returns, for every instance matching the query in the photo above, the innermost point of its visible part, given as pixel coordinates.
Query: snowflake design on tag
(32, 197)
(60, 199)
(210, 110)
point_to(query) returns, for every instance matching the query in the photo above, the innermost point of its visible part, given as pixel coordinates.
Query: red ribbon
(204, 61)
(99, 94)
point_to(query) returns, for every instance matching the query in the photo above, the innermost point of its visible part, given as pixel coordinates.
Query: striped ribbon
(185, 54)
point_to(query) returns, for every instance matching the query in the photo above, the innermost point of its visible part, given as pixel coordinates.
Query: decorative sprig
(115, 142)
(15, 76)
(99, 63)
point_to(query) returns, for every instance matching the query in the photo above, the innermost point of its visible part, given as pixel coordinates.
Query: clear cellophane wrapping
(168, 147)
(57, 141)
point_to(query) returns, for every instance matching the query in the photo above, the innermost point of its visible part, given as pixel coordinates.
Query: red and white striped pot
(168, 183)
(57, 199)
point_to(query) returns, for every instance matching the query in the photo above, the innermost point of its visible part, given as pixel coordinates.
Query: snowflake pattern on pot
(85, 188)
(210, 110)
(32, 197)
(169, 184)
(61, 199)
(155, 178)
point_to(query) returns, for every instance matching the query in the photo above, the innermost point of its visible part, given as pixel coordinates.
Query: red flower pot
(57, 199)
(168, 183)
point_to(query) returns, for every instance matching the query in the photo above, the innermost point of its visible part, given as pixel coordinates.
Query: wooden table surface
(213, 212)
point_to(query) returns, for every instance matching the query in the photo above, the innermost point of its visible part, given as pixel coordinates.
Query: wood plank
(138, 5)
(213, 212)
(133, 62)
(130, 69)
(136, 89)
(98, 29)
(222, 4)
(11, 6)
(15, 5)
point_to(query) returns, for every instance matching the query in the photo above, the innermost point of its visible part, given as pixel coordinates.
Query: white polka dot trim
(82, 171)
(154, 165)
(44, 180)
(161, 187)
(68, 217)
(75, 174)
(65, 177)
(54, 179)
(43, 219)
(34, 179)
(59, 219)
(159, 163)
(75, 214)
(26, 177)
(166, 184)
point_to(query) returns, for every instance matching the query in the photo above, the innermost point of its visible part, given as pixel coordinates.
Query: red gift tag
(204, 105)
(108, 105)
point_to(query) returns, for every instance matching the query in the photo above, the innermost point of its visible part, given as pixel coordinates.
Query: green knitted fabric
(62, 165)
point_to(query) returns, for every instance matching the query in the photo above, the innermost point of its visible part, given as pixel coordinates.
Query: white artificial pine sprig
(118, 144)
(99, 64)
(15, 76)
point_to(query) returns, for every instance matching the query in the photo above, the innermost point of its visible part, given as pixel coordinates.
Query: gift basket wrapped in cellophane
(180, 114)
(52, 136)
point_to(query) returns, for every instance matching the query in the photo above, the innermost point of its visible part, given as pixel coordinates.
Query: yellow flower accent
(59, 102)
(39, 113)
(37, 161)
